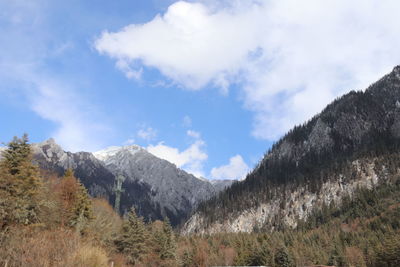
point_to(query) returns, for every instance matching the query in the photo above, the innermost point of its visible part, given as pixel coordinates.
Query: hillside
(352, 143)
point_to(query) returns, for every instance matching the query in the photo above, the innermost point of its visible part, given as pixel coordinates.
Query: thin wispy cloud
(147, 133)
(29, 45)
(193, 134)
(187, 121)
(76, 129)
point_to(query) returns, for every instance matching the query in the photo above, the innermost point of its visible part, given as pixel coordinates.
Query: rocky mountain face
(155, 187)
(354, 142)
(93, 174)
(220, 185)
(175, 191)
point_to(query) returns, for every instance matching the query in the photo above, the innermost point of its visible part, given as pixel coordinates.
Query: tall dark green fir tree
(19, 184)
(132, 238)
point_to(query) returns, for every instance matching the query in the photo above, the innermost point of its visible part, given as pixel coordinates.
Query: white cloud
(147, 133)
(130, 141)
(290, 59)
(26, 77)
(193, 134)
(191, 159)
(76, 129)
(236, 169)
(189, 44)
(130, 73)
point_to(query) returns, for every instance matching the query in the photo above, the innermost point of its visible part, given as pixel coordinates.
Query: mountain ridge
(154, 186)
(356, 129)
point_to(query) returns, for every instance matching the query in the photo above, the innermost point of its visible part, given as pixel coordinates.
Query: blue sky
(208, 85)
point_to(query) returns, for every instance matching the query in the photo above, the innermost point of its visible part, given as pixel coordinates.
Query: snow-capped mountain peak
(111, 151)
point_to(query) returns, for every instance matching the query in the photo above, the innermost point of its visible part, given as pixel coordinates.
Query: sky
(207, 85)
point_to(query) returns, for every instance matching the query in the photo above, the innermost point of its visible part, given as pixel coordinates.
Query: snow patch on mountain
(113, 150)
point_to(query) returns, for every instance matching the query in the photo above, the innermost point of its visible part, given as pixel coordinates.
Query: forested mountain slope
(352, 143)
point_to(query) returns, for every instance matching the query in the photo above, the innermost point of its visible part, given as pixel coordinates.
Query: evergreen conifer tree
(168, 245)
(132, 238)
(389, 254)
(187, 258)
(336, 258)
(261, 255)
(282, 258)
(19, 184)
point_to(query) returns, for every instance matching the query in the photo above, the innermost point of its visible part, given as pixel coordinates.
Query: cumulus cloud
(147, 133)
(290, 59)
(235, 169)
(190, 159)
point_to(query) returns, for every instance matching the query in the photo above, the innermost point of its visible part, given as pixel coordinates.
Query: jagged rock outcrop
(92, 173)
(354, 142)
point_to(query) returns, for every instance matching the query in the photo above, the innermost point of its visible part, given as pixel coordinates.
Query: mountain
(353, 143)
(174, 190)
(155, 187)
(220, 185)
(98, 180)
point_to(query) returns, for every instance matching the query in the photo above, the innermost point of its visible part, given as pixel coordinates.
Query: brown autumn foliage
(48, 220)
(106, 223)
(355, 257)
(30, 246)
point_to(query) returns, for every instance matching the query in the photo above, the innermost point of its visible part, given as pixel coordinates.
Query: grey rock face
(220, 185)
(89, 170)
(297, 204)
(174, 190)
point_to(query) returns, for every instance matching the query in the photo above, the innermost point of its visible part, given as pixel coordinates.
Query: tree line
(47, 220)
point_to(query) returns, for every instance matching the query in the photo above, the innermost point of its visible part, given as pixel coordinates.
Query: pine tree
(389, 254)
(168, 245)
(282, 258)
(19, 184)
(132, 238)
(336, 258)
(187, 258)
(261, 255)
(244, 246)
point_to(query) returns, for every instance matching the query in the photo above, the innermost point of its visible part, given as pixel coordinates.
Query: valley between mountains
(353, 143)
